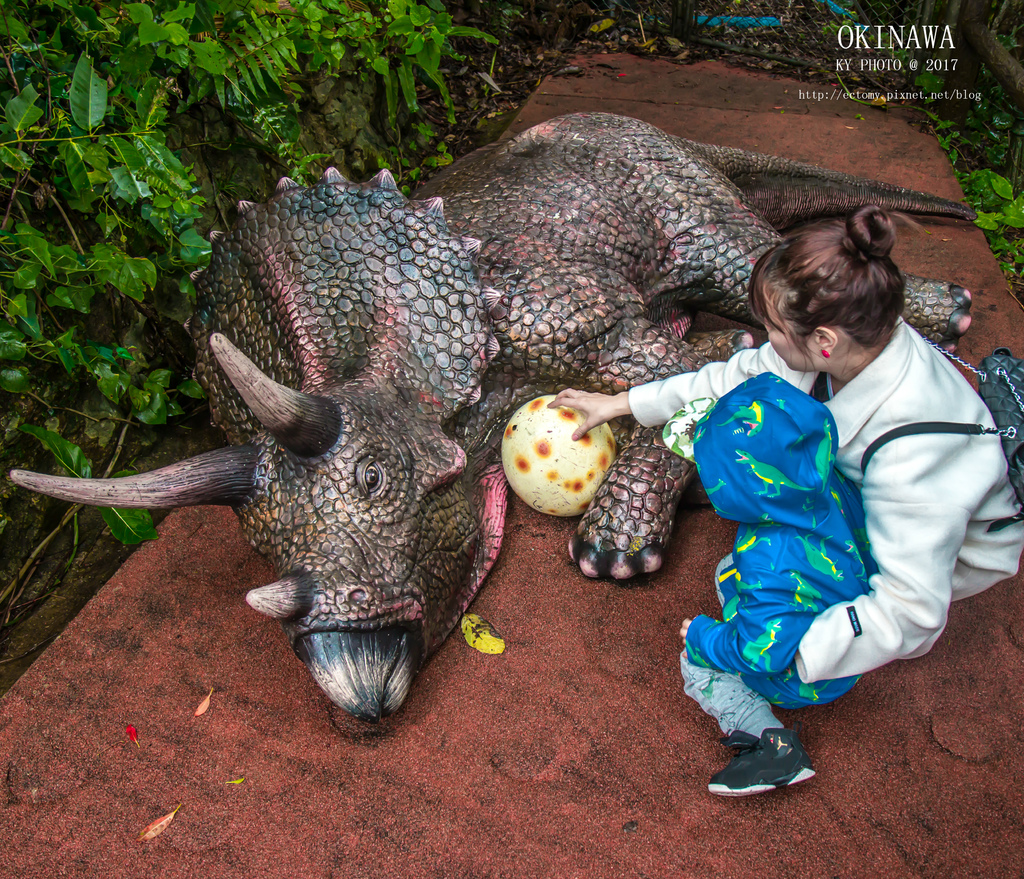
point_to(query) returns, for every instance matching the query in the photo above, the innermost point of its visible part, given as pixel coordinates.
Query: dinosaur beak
(223, 476)
(304, 424)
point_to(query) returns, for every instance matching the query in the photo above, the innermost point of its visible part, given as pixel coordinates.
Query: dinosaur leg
(940, 311)
(627, 527)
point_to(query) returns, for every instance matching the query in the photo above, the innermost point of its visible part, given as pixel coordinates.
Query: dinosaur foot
(940, 311)
(626, 529)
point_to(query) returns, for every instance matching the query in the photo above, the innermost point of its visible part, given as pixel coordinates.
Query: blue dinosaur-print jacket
(766, 456)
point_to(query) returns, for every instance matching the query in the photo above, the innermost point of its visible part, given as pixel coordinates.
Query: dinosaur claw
(961, 295)
(618, 565)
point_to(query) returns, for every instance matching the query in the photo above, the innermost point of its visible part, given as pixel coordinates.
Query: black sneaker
(775, 760)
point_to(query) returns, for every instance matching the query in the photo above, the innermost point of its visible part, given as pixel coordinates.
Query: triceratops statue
(360, 350)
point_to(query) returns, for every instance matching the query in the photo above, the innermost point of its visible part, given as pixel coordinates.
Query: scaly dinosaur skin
(363, 354)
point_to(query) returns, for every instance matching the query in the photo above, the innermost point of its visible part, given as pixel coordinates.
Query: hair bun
(871, 232)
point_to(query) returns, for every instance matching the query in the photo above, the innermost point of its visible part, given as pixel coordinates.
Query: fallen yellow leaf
(159, 826)
(480, 635)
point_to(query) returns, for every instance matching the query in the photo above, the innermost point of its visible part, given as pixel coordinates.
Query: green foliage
(97, 208)
(128, 526)
(983, 140)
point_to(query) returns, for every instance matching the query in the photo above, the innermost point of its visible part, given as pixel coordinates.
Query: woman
(831, 298)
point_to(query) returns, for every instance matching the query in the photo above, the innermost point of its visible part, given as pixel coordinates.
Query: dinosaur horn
(283, 600)
(302, 423)
(223, 476)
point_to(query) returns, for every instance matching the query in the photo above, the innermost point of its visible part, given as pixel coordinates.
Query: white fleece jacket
(928, 499)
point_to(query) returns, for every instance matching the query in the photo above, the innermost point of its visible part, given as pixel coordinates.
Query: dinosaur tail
(786, 192)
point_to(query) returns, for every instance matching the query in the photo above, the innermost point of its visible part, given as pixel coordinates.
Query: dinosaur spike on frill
(493, 347)
(195, 275)
(187, 326)
(491, 297)
(285, 184)
(215, 235)
(472, 245)
(434, 207)
(383, 179)
(284, 599)
(245, 206)
(333, 175)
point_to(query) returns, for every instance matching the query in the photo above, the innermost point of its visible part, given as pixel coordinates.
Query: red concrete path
(571, 755)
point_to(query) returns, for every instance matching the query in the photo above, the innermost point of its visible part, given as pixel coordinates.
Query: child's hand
(685, 628)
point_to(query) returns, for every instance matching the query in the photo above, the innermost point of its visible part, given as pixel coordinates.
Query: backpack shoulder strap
(922, 427)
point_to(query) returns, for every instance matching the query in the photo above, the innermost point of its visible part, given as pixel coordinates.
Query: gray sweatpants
(724, 696)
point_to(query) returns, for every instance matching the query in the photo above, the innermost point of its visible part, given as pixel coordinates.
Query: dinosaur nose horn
(223, 476)
(304, 424)
(284, 599)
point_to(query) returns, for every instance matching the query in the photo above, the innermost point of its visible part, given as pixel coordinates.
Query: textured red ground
(574, 753)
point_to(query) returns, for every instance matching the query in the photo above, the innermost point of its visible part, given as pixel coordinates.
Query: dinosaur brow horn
(223, 476)
(304, 424)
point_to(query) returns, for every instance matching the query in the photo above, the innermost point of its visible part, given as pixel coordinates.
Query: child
(830, 297)
(766, 456)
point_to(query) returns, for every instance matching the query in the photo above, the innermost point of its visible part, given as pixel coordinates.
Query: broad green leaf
(150, 406)
(21, 110)
(74, 161)
(1001, 187)
(194, 248)
(12, 344)
(149, 103)
(111, 382)
(70, 456)
(127, 187)
(163, 162)
(14, 379)
(25, 278)
(139, 12)
(134, 276)
(408, 82)
(191, 388)
(129, 526)
(210, 56)
(181, 12)
(127, 152)
(461, 31)
(15, 159)
(78, 297)
(151, 32)
(160, 378)
(88, 95)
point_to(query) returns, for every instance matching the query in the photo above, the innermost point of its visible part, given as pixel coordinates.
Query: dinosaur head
(339, 328)
(365, 508)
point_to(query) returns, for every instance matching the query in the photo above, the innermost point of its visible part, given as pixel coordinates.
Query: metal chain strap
(1008, 432)
(980, 373)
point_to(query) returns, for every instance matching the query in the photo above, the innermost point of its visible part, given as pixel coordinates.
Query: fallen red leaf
(159, 826)
(133, 735)
(204, 705)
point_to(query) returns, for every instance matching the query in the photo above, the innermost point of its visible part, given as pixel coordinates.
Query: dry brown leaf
(159, 826)
(204, 705)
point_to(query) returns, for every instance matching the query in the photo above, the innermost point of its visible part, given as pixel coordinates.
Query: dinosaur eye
(371, 477)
